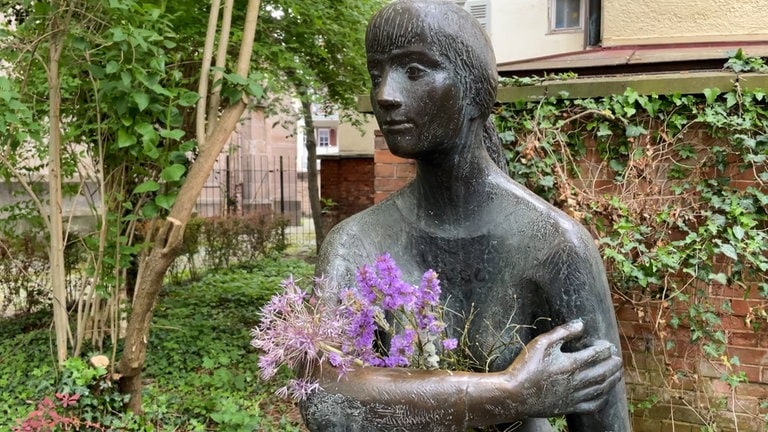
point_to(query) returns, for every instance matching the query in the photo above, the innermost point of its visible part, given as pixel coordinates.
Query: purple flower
(401, 348)
(362, 330)
(298, 389)
(450, 344)
(367, 281)
(429, 289)
(339, 326)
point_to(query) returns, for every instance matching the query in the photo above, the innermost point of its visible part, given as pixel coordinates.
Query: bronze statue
(525, 282)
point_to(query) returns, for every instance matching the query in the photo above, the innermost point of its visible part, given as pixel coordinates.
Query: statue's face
(416, 98)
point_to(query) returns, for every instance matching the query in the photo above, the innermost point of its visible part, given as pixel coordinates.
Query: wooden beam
(659, 83)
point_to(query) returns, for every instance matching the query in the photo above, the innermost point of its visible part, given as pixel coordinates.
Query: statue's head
(452, 33)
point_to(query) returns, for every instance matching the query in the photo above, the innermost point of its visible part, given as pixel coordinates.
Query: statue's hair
(452, 31)
(457, 37)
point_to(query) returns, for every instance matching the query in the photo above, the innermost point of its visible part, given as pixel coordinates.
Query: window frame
(323, 133)
(553, 19)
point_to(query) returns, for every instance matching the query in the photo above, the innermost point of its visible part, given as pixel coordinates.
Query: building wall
(391, 172)
(247, 175)
(349, 183)
(357, 141)
(677, 21)
(519, 30)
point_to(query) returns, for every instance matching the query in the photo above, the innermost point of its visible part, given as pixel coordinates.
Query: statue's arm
(399, 399)
(576, 288)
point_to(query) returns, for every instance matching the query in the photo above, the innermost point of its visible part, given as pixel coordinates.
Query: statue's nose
(388, 95)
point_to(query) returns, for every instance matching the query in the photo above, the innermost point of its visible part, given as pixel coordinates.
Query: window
(480, 9)
(565, 15)
(323, 137)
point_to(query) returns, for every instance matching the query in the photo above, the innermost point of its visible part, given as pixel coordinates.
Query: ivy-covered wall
(673, 188)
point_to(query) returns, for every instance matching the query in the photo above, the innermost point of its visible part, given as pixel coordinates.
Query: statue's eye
(414, 72)
(375, 78)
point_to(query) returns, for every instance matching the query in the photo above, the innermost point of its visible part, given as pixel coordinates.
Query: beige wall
(353, 141)
(675, 21)
(519, 30)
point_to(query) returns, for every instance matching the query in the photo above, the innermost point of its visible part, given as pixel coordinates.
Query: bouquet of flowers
(351, 329)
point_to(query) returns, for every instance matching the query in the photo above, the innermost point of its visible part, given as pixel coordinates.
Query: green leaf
(616, 165)
(150, 150)
(112, 67)
(147, 186)
(188, 99)
(720, 278)
(149, 210)
(188, 146)
(173, 172)
(142, 100)
(236, 79)
(175, 134)
(255, 90)
(738, 232)
(165, 201)
(125, 139)
(150, 139)
(635, 131)
(118, 35)
(604, 129)
(711, 94)
(729, 251)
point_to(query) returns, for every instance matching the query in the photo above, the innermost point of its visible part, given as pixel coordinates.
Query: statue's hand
(552, 382)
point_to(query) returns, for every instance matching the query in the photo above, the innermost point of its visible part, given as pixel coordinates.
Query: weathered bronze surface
(530, 276)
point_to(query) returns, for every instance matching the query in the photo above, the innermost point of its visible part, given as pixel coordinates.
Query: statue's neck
(451, 188)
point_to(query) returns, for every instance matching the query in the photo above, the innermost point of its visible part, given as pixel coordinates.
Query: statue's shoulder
(543, 217)
(366, 222)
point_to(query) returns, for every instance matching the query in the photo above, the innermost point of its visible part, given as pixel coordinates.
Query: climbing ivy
(673, 188)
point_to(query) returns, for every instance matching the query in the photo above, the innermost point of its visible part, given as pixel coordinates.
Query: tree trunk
(166, 240)
(313, 180)
(56, 232)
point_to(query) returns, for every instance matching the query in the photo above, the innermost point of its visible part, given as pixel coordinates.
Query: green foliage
(219, 242)
(316, 49)
(81, 396)
(202, 372)
(740, 62)
(533, 80)
(200, 361)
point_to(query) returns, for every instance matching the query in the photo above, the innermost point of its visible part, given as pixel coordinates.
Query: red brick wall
(348, 181)
(391, 172)
(672, 386)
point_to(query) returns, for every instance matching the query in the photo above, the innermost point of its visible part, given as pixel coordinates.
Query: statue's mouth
(397, 126)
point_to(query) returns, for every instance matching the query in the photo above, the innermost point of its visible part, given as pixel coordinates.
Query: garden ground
(201, 372)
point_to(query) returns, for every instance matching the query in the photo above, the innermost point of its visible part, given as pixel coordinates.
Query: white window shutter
(481, 10)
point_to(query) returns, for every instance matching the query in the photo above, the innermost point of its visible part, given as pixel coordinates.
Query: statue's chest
(489, 303)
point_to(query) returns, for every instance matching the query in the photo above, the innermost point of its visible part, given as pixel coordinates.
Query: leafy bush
(201, 372)
(23, 273)
(221, 241)
(200, 362)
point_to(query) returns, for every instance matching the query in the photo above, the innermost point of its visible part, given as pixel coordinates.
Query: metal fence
(241, 185)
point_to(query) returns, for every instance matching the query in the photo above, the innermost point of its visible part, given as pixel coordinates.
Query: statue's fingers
(598, 373)
(556, 337)
(598, 391)
(589, 406)
(600, 351)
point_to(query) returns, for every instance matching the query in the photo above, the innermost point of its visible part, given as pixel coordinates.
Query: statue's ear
(473, 111)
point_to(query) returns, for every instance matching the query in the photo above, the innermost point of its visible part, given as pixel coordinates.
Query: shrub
(23, 274)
